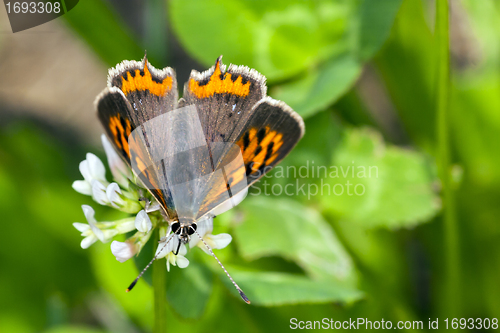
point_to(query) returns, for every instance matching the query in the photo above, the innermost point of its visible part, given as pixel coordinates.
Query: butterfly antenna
(150, 263)
(242, 294)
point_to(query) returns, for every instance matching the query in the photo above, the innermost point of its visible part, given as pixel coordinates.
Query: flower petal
(118, 168)
(182, 250)
(123, 251)
(85, 171)
(205, 226)
(125, 225)
(82, 186)
(143, 222)
(96, 167)
(89, 215)
(82, 227)
(87, 241)
(168, 264)
(182, 262)
(99, 192)
(108, 234)
(165, 248)
(221, 240)
(113, 193)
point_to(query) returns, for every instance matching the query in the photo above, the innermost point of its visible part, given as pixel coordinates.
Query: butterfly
(197, 155)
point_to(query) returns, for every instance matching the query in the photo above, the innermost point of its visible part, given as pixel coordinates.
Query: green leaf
(376, 19)
(325, 84)
(320, 87)
(406, 65)
(322, 127)
(275, 289)
(114, 277)
(188, 290)
(278, 38)
(378, 185)
(104, 32)
(286, 228)
(324, 41)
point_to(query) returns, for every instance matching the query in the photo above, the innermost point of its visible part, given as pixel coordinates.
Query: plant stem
(160, 292)
(452, 258)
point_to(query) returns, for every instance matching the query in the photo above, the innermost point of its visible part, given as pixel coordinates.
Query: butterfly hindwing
(269, 135)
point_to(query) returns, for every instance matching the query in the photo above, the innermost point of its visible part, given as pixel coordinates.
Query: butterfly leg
(148, 206)
(178, 248)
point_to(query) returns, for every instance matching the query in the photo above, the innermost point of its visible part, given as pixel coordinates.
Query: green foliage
(188, 292)
(279, 38)
(319, 88)
(275, 289)
(39, 241)
(378, 185)
(321, 44)
(306, 255)
(375, 21)
(302, 236)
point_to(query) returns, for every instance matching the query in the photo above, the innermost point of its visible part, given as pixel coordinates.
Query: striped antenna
(150, 263)
(242, 294)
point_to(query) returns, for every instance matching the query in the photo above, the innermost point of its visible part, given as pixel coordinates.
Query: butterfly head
(183, 230)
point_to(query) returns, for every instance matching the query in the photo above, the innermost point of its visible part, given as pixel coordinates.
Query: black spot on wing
(261, 134)
(157, 80)
(258, 150)
(123, 122)
(248, 169)
(269, 151)
(246, 140)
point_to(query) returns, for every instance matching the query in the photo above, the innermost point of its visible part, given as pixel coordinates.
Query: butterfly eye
(192, 229)
(176, 226)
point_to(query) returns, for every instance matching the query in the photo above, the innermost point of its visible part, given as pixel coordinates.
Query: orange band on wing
(143, 82)
(216, 85)
(260, 154)
(120, 134)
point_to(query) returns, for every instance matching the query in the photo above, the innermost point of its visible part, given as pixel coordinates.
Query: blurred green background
(361, 73)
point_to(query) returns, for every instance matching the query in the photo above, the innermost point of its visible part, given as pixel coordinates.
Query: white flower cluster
(124, 194)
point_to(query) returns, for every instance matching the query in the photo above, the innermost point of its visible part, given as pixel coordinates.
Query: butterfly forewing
(150, 91)
(224, 99)
(136, 93)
